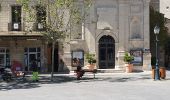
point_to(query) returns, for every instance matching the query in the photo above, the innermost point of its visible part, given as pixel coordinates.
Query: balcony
(18, 29)
(38, 27)
(15, 26)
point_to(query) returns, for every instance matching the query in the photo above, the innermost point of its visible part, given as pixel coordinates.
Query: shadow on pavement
(29, 84)
(17, 85)
(61, 79)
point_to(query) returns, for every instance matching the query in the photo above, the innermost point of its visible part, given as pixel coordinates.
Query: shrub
(128, 58)
(90, 58)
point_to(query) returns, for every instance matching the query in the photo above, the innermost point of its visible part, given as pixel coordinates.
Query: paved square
(113, 86)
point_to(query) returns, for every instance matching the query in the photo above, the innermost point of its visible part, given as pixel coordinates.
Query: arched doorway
(106, 52)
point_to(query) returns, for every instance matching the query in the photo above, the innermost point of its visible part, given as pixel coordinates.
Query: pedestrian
(35, 71)
(80, 72)
(78, 65)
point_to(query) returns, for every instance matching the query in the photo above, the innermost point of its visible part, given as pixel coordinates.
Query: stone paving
(106, 86)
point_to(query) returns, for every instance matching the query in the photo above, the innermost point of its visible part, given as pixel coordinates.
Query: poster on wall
(77, 55)
(137, 54)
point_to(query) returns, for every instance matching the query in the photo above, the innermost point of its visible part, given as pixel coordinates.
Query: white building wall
(165, 8)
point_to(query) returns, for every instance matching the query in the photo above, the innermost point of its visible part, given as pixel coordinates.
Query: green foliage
(157, 18)
(90, 58)
(59, 14)
(57, 19)
(128, 58)
(153, 61)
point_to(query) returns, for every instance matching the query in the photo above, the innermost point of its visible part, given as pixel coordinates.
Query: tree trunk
(52, 69)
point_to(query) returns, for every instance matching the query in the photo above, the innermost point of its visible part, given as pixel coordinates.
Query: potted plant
(91, 60)
(128, 59)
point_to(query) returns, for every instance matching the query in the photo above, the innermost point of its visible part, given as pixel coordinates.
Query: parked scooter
(6, 74)
(17, 70)
(19, 75)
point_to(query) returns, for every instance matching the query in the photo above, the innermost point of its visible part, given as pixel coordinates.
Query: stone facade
(19, 45)
(121, 25)
(126, 21)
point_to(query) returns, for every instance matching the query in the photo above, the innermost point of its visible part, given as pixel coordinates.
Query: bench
(83, 71)
(94, 71)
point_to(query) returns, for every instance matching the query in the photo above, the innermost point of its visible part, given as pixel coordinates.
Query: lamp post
(156, 31)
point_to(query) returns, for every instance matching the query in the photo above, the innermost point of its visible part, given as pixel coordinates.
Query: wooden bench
(94, 71)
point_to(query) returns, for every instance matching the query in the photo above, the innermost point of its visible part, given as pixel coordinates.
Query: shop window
(32, 54)
(7, 60)
(32, 49)
(4, 57)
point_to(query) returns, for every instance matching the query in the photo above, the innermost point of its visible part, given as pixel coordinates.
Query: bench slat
(94, 71)
(89, 70)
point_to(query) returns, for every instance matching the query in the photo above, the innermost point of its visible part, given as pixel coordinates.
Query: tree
(55, 18)
(157, 18)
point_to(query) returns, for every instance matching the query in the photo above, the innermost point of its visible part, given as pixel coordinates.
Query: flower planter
(129, 68)
(128, 59)
(153, 73)
(162, 72)
(91, 66)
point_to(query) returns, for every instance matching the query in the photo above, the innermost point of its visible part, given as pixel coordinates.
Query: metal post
(157, 77)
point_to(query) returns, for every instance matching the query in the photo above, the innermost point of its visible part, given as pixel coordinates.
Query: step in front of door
(110, 71)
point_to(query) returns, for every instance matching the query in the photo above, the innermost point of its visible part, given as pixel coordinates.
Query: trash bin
(162, 71)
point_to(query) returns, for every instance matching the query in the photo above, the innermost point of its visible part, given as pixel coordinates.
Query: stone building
(15, 43)
(112, 28)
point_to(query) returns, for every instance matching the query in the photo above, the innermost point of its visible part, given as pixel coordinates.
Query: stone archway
(106, 52)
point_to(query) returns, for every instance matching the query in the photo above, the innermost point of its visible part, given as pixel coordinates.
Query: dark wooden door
(106, 52)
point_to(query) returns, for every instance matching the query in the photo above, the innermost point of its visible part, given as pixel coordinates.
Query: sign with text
(77, 55)
(137, 54)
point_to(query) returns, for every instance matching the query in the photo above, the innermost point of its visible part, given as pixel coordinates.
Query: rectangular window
(32, 49)
(4, 57)
(16, 18)
(7, 59)
(40, 18)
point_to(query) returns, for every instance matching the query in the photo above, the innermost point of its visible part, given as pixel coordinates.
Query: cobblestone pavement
(106, 86)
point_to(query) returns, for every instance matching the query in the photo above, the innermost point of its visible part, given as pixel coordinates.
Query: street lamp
(156, 31)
